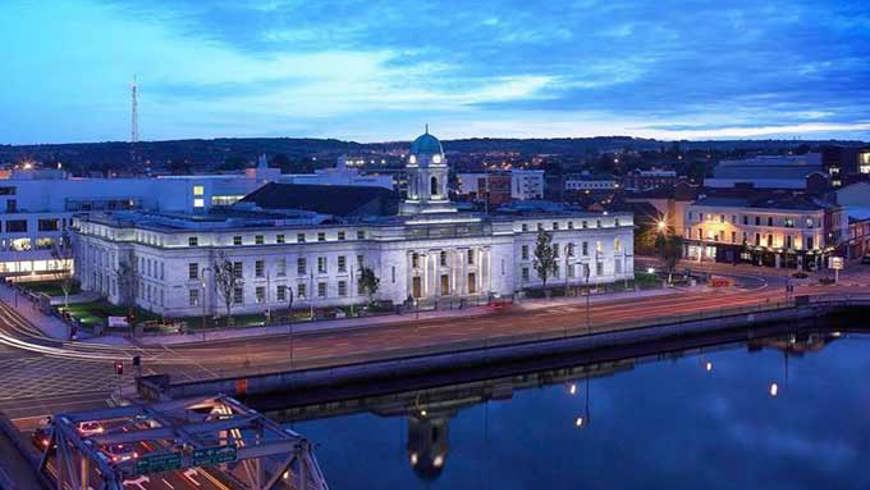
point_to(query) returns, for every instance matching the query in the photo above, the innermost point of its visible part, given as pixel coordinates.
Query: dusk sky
(379, 70)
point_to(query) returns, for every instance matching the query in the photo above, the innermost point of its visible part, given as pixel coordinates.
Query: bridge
(207, 442)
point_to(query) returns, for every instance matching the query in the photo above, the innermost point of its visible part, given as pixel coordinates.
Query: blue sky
(373, 70)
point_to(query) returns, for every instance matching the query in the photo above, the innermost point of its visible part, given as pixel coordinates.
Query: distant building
(855, 200)
(846, 164)
(794, 172)
(774, 229)
(37, 210)
(346, 172)
(641, 180)
(499, 187)
(670, 203)
(590, 182)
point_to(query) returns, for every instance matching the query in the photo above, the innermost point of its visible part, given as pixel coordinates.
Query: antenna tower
(134, 113)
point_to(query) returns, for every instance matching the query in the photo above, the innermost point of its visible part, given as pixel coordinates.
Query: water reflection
(514, 428)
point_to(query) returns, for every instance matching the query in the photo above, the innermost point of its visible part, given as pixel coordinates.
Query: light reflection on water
(783, 413)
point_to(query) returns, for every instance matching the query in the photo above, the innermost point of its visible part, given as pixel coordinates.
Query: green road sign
(214, 455)
(156, 463)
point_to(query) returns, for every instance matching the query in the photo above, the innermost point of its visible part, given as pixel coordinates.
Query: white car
(91, 428)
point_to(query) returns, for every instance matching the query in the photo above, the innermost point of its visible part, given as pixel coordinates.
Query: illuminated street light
(650, 270)
(661, 225)
(573, 389)
(579, 422)
(774, 389)
(708, 366)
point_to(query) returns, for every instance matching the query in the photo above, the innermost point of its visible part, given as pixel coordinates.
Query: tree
(545, 262)
(226, 281)
(670, 249)
(368, 282)
(127, 282)
(61, 252)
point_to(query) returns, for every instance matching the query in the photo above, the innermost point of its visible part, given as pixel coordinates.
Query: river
(786, 412)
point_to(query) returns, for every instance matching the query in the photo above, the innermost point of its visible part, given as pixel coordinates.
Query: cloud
(669, 68)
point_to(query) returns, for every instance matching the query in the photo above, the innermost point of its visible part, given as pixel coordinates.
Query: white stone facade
(429, 252)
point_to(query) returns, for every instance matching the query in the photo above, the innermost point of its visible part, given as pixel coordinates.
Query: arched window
(617, 245)
(433, 187)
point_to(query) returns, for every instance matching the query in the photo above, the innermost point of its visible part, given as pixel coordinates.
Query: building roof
(773, 200)
(336, 200)
(426, 143)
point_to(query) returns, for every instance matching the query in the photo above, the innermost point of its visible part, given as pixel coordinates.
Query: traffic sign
(214, 455)
(156, 463)
(836, 263)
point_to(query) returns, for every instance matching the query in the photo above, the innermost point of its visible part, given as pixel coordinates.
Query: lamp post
(290, 321)
(202, 285)
(586, 274)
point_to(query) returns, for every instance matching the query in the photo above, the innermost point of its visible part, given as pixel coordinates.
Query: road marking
(167, 483)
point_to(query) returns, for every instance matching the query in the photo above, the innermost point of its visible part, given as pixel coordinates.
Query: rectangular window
(281, 267)
(555, 225)
(237, 270)
(301, 266)
(341, 235)
(198, 202)
(198, 190)
(570, 225)
(259, 267)
(556, 250)
(342, 288)
(770, 221)
(193, 297)
(360, 260)
(237, 240)
(599, 268)
(360, 235)
(525, 274)
(393, 274)
(585, 224)
(524, 252)
(470, 255)
(442, 258)
(342, 263)
(300, 237)
(238, 295)
(279, 238)
(745, 219)
(16, 226)
(259, 240)
(192, 241)
(48, 225)
(260, 294)
(300, 288)
(525, 227)
(598, 223)
(321, 237)
(193, 270)
(617, 267)
(321, 265)
(321, 289)
(281, 293)
(585, 249)
(599, 247)
(415, 260)
(570, 249)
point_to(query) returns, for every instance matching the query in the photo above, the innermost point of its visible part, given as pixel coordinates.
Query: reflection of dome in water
(427, 446)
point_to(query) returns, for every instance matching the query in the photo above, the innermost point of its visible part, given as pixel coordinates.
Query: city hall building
(309, 243)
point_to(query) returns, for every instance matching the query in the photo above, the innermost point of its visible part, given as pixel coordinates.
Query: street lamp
(586, 274)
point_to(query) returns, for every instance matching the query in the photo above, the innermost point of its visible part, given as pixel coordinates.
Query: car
(118, 453)
(90, 428)
(41, 438)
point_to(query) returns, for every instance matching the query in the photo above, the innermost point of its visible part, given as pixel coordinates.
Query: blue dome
(426, 143)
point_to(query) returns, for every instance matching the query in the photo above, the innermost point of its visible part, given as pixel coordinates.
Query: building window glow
(198, 190)
(199, 202)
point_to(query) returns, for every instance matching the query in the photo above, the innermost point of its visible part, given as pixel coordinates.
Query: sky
(378, 70)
